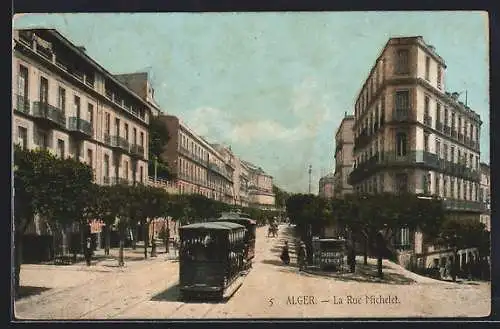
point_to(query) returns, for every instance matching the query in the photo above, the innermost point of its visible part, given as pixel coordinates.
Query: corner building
(411, 135)
(344, 143)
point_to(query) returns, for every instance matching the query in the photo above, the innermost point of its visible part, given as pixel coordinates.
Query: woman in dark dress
(285, 256)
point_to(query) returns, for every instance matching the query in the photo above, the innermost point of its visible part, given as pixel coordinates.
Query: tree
(458, 234)
(153, 203)
(158, 139)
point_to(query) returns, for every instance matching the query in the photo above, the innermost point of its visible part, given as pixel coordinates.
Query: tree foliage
(158, 139)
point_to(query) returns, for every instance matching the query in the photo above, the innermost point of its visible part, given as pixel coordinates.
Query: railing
(137, 149)
(439, 126)
(26, 37)
(22, 104)
(421, 158)
(464, 205)
(362, 140)
(454, 133)
(427, 120)
(460, 137)
(401, 115)
(78, 124)
(49, 112)
(117, 142)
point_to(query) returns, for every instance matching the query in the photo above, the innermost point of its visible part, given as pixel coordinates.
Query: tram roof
(219, 225)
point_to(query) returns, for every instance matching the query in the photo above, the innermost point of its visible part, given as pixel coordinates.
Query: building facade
(413, 136)
(485, 194)
(65, 102)
(326, 186)
(344, 161)
(260, 189)
(199, 167)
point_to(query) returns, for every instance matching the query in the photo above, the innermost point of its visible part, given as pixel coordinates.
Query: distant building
(199, 167)
(344, 161)
(260, 189)
(485, 193)
(326, 186)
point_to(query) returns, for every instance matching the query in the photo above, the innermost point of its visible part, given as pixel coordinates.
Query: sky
(274, 86)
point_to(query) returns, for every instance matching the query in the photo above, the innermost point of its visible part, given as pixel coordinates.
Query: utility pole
(310, 170)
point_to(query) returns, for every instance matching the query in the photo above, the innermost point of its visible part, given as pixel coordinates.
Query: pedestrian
(302, 255)
(88, 251)
(285, 255)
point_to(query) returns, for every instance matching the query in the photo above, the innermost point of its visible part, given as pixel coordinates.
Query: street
(146, 289)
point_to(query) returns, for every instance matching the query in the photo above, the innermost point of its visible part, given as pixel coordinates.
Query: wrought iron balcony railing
(49, 112)
(22, 104)
(80, 125)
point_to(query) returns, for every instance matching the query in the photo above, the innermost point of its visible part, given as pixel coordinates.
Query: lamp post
(310, 171)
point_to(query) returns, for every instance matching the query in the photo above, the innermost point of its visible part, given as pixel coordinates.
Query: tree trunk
(379, 266)
(18, 245)
(135, 236)
(107, 243)
(352, 256)
(145, 235)
(120, 254)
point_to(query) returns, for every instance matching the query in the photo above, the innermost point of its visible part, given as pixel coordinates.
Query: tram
(211, 259)
(250, 225)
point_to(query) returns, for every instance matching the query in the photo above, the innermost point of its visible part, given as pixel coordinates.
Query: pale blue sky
(274, 85)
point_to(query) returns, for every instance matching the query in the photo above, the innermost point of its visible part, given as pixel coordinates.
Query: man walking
(88, 251)
(302, 255)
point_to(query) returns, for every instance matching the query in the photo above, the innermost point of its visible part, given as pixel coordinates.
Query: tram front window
(201, 248)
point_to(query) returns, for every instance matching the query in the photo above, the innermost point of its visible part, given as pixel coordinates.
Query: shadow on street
(26, 291)
(172, 294)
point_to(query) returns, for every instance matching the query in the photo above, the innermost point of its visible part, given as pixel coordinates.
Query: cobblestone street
(147, 289)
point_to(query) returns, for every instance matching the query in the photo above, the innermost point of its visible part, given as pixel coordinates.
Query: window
(382, 109)
(426, 142)
(44, 90)
(90, 114)
(404, 237)
(22, 137)
(452, 155)
(126, 132)
(439, 77)
(107, 123)
(472, 161)
(125, 168)
(141, 140)
(438, 148)
(438, 112)
(465, 191)
(42, 139)
(427, 183)
(106, 166)
(471, 132)
(134, 136)
(22, 82)
(445, 152)
(445, 186)
(427, 67)
(453, 121)
(61, 103)
(117, 127)
(383, 69)
(76, 104)
(445, 116)
(452, 187)
(437, 187)
(401, 183)
(141, 174)
(459, 188)
(402, 101)
(402, 64)
(426, 106)
(90, 158)
(60, 148)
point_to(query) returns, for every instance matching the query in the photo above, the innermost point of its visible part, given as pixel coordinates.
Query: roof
(89, 60)
(219, 225)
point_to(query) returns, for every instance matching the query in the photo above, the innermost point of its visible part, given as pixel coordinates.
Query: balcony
(447, 130)
(454, 133)
(439, 126)
(460, 137)
(79, 127)
(401, 115)
(468, 141)
(49, 114)
(463, 205)
(428, 120)
(137, 150)
(22, 104)
(362, 140)
(117, 142)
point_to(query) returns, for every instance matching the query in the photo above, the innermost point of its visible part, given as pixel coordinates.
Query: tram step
(233, 287)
